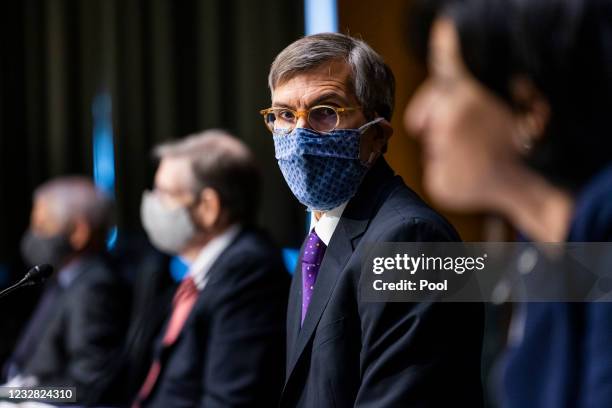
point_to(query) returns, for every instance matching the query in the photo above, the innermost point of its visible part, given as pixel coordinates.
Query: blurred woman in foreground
(514, 119)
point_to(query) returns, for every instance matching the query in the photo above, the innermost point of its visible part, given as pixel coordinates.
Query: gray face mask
(169, 230)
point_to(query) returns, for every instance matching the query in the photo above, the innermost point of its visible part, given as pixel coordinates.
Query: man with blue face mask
(332, 100)
(223, 342)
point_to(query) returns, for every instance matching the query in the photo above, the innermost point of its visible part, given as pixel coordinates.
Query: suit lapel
(353, 224)
(294, 309)
(215, 275)
(336, 256)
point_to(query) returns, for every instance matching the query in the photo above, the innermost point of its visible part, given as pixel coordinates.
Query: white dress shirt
(209, 254)
(326, 225)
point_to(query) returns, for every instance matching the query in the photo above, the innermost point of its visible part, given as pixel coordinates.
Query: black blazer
(352, 353)
(152, 294)
(80, 343)
(231, 351)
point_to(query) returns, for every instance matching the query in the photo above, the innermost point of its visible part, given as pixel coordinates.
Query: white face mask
(169, 230)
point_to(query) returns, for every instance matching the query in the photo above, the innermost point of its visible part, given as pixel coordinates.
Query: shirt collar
(326, 225)
(208, 255)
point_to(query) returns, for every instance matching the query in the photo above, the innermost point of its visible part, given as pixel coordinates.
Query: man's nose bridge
(302, 119)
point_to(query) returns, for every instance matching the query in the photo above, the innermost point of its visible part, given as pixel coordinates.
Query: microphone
(37, 275)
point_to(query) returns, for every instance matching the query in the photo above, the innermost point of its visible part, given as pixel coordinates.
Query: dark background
(165, 68)
(169, 67)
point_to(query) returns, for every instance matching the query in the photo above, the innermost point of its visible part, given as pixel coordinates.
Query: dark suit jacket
(564, 359)
(80, 342)
(152, 293)
(231, 351)
(352, 353)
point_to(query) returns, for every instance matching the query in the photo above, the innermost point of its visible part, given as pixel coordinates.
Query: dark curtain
(170, 68)
(182, 66)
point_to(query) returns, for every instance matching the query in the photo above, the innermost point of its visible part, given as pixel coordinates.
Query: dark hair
(565, 48)
(224, 163)
(372, 80)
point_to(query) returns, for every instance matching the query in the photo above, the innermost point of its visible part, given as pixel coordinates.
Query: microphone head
(39, 273)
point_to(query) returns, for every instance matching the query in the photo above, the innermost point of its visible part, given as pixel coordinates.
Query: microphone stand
(23, 282)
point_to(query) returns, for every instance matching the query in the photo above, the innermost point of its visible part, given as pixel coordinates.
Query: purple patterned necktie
(311, 262)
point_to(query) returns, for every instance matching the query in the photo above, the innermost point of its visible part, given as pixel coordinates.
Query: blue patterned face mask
(322, 170)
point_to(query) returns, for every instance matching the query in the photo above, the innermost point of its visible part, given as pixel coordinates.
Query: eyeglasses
(321, 118)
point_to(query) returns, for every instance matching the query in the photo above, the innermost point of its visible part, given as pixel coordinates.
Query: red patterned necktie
(184, 299)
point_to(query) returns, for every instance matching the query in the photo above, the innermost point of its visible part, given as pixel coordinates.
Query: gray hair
(71, 197)
(224, 163)
(372, 81)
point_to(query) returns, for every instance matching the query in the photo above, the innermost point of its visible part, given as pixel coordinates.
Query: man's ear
(80, 236)
(209, 208)
(533, 114)
(385, 131)
(379, 136)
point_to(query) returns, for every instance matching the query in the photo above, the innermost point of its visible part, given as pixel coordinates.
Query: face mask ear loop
(373, 155)
(192, 210)
(371, 159)
(365, 126)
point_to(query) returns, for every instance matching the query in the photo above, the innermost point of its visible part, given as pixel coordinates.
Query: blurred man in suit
(78, 326)
(223, 344)
(332, 100)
